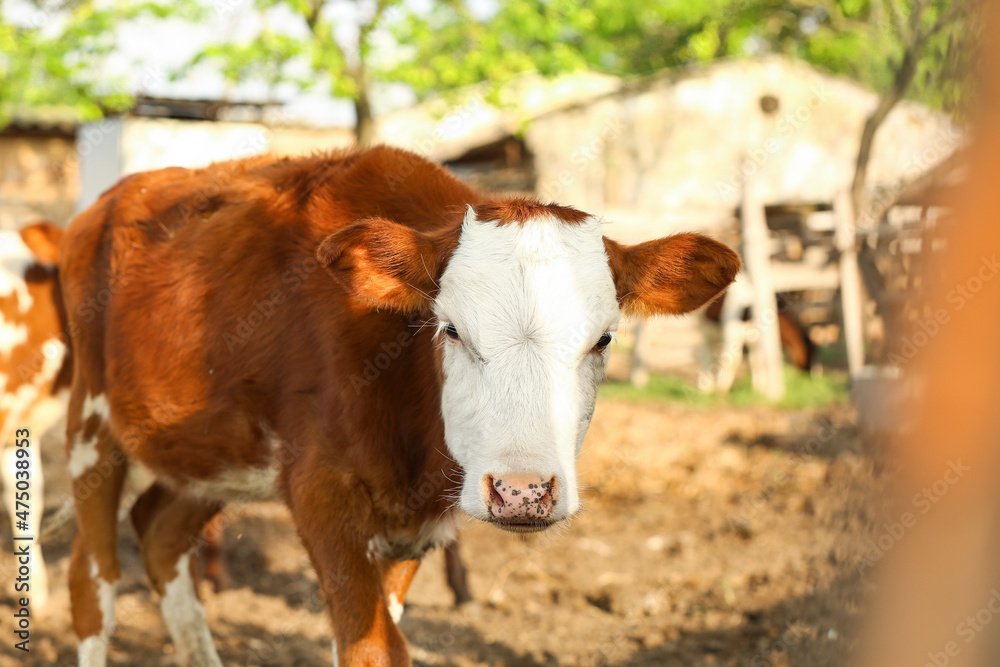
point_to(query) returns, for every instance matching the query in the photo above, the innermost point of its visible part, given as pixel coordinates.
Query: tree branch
(366, 28)
(899, 19)
(917, 14)
(323, 34)
(904, 77)
(945, 19)
(315, 8)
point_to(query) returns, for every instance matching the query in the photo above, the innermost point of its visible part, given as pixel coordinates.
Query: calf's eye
(451, 332)
(603, 342)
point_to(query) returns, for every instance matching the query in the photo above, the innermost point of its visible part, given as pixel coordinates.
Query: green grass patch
(802, 390)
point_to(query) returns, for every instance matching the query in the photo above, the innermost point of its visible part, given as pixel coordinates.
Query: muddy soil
(716, 536)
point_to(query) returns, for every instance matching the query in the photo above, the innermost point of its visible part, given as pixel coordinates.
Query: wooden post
(638, 373)
(757, 255)
(850, 281)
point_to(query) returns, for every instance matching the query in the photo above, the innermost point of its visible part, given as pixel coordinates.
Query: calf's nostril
(496, 497)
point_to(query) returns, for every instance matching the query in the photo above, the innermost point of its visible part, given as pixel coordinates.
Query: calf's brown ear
(672, 275)
(387, 265)
(43, 239)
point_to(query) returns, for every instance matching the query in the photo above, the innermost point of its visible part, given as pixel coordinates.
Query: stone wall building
(675, 151)
(39, 178)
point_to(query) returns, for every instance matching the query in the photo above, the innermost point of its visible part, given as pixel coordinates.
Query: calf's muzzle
(520, 502)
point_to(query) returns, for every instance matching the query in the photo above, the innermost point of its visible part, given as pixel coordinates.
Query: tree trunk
(364, 127)
(863, 209)
(904, 77)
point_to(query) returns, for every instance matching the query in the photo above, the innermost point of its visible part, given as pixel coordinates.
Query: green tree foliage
(56, 57)
(54, 54)
(266, 59)
(312, 57)
(449, 46)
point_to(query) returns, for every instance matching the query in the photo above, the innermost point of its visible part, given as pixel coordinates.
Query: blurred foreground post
(938, 600)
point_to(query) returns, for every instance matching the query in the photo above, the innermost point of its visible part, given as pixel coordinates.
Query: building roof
(446, 127)
(42, 122)
(688, 140)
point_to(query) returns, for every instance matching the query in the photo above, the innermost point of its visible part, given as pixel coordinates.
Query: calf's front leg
(396, 579)
(334, 519)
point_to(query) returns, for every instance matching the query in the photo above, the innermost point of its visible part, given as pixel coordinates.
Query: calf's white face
(527, 304)
(525, 312)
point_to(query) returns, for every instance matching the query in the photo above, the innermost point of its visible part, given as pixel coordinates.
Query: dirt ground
(718, 536)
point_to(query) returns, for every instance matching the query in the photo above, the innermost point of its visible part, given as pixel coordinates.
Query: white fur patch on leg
(185, 618)
(105, 599)
(395, 608)
(336, 658)
(95, 405)
(83, 454)
(106, 602)
(92, 652)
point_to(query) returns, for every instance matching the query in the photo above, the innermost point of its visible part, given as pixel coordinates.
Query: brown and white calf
(34, 377)
(227, 321)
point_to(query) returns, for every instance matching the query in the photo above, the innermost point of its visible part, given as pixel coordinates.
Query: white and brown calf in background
(34, 372)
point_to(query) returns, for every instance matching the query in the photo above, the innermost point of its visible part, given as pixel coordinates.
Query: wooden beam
(757, 256)
(850, 282)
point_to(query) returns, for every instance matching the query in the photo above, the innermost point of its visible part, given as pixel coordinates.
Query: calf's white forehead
(544, 279)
